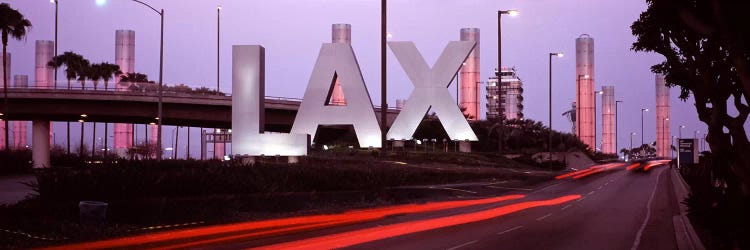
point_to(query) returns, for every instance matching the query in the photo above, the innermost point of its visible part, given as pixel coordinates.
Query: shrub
(15, 162)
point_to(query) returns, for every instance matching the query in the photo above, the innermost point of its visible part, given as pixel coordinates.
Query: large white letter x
(431, 90)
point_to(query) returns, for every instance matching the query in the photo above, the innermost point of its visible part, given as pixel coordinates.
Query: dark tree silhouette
(706, 46)
(12, 25)
(74, 65)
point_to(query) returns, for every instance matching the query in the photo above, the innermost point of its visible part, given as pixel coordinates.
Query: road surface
(615, 206)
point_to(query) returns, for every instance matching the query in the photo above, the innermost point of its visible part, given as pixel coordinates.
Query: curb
(685, 234)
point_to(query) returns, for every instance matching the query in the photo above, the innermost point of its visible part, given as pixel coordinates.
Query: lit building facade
(469, 79)
(510, 95)
(585, 98)
(125, 58)
(663, 138)
(608, 120)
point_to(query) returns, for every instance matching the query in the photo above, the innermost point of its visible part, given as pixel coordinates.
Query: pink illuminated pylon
(469, 80)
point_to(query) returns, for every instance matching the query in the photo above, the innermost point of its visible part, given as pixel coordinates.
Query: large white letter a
(338, 60)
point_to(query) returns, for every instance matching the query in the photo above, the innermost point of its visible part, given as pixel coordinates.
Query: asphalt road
(610, 208)
(612, 214)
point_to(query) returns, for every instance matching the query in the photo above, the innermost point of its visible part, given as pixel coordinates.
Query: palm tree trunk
(5, 95)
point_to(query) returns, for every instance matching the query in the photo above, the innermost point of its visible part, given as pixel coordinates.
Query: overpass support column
(40, 143)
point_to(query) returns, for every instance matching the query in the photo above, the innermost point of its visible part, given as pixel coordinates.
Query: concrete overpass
(179, 109)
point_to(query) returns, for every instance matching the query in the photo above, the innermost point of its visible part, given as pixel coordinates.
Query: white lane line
(462, 245)
(590, 193)
(582, 198)
(454, 189)
(496, 187)
(600, 188)
(566, 207)
(510, 230)
(543, 217)
(648, 214)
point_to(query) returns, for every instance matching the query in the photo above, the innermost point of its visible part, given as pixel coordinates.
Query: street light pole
(600, 92)
(383, 88)
(56, 2)
(631, 143)
(499, 73)
(161, 86)
(218, 46)
(642, 111)
(549, 143)
(617, 111)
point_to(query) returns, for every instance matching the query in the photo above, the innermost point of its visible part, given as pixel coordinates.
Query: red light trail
(378, 233)
(266, 228)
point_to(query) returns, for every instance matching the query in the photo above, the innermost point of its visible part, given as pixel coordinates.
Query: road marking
(648, 213)
(546, 187)
(600, 188)
(454, 189)
(580, 199)
(566, 207)
(462, 245)
(510, 230)
(496, 187)
(590, 193)
(543, 217)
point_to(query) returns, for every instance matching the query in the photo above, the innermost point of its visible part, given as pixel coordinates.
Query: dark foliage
(15, 162)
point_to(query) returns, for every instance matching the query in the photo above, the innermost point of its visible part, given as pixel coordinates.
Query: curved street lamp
(549, 143)
(161, 71)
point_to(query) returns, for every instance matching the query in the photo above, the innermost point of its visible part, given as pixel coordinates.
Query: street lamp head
(388, 35)
(513, 12)
(600, 92)
(666, 119)
(644, 109)
(53, 1)
(559, 54)
(101, 2)
(682, 126)
(633, 133)
(218, 7)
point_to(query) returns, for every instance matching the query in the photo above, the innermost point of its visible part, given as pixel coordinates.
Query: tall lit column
(125, 58)
(43, 73)
(470, 76)
(608, 120)
(585, 106)
(662, 118)
(20, 128)
(4, 135)
(340, 33)
(219, 147)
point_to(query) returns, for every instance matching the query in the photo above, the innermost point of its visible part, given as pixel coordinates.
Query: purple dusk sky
(292, 32)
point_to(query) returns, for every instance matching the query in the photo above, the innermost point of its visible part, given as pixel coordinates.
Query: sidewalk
(13, 189)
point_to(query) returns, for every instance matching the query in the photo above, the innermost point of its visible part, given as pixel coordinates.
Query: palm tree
(15, 25)
(134, 77)
(83, 71)
(73, 63)
(108, 71)
(95, 73)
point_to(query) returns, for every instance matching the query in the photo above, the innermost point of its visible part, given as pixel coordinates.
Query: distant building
(510, 96)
